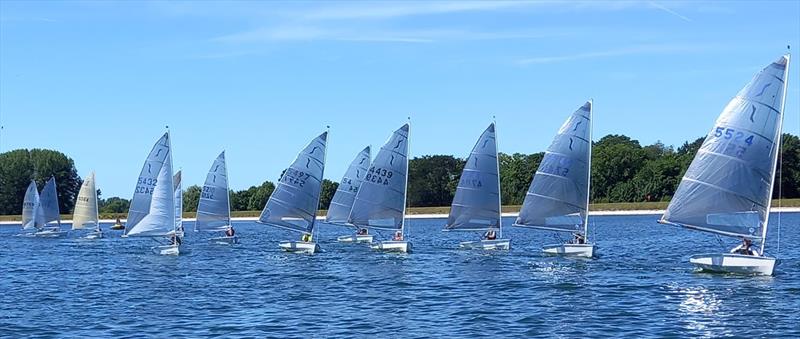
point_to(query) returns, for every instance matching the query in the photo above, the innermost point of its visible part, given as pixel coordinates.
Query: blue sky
(100, 80)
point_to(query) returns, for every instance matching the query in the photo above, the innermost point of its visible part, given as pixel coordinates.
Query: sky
(100, 81)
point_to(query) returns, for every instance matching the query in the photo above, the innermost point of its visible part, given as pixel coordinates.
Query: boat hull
(118, 227)
(225, 240)
(392, 246)
(496, 244)
(573, 250)
(299, 247)
(167, 250)
(734, 263)
(355, 238)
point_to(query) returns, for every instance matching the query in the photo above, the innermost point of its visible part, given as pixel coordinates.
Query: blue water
(640, 285)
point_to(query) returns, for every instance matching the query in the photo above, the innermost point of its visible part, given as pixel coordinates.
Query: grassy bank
(623, 206)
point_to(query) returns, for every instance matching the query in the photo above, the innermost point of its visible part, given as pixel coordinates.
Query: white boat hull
(167, 250)
(299, 247)
(496, 244)
(50, 234)
(392, 246)
(734, 263)
(355, 238)
(225, 240)
(575, 250)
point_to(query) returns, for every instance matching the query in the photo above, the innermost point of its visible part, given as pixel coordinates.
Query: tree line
(622, 171)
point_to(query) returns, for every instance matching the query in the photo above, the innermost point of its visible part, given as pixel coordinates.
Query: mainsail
(558, 197)
(30, 206)
(48, 204)
(293, 205)
(380, 201)
(213, 210)
(86, 205)
(148, 178)
(158, 189)
(476, 205)
(342, 201)
(176, 182)
(727, 188)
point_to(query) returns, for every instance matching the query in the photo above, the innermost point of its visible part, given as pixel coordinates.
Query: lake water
(640, 285)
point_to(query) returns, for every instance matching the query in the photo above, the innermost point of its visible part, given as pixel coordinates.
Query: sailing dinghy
(30, 206)
(380, 203)
(294, 203)
(727, 189)
(214, 207)
(476, 204)
(345, 195)
(86, 212)
(152, 211)
(558, 197)
(47, 211)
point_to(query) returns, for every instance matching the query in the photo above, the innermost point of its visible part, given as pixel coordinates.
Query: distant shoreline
(444, 216)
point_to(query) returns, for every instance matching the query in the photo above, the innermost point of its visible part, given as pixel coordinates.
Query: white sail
(48, 204)
(727, 189)
(380, 201)
(293, 205)
(213, 209)
(86, 212)
(29, 206)
(160, 216)
(558, 197)
(345, 195)
(146, 183)
(176, 181)
(476, 204)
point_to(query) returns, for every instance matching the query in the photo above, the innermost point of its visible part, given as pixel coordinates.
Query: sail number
(146, 185)
(295, 177)
(739, 142)
(471, 179)
(207, 193)
(378, 175)
(350, 187)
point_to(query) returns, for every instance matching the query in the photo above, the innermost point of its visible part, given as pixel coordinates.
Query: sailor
(744, 248)
(490, 235)
(175, 240)
(579, 238)
(362, 231)
(398, 236)
(306, 237)
(230, 231)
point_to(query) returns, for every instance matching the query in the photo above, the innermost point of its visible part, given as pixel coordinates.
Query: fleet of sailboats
(727, 189)
(558, 197)
(40, 209)
(86, 211)
(294, 202)
(214, 207)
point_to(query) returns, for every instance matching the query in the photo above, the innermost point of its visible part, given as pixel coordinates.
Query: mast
(172, 189)
(405, 193)
(321, 178)
(96, 203)
(778, 140)
(499, 188)
(227, 188)
(588, 176)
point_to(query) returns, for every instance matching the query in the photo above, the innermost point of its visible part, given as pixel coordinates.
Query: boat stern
(734, 263)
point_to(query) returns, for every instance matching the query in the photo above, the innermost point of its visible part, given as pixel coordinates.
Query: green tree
(615, 160)
(433, 179)
(18, 167)
(516, 173)
(789, 164)
(114, 205)
(328, 190)
(191, 197)
(259, 196)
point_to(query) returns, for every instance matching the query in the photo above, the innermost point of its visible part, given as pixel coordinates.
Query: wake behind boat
(728, 187)
(476, 204)
(558, 197)
(294, 202)
(342, 201)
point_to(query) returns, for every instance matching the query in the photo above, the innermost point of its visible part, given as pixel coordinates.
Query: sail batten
(728, 186)
(380, 200)
(294, 202)
(476, 203)
(213, 209)
(558, 196)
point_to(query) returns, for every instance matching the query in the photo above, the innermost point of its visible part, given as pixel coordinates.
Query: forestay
(176, 182)
(728, 186)
(213, 210)
(159, 220)
(30, 206)
(146, 183)
(557, 198)
(476, 204)
(380, 201)
(86, 205)
(48, 204)
(345, 195)
(293, 205)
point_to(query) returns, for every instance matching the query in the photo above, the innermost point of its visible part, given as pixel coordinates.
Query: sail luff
(499, 187)
(319, 194)
(405, 188)
(778, 138)
(588, 175)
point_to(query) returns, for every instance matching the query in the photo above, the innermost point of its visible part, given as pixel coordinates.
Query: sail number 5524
(739, 140)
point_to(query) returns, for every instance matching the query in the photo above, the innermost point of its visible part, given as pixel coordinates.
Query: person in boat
(175, 240)
(744, 248)
(230, 232)
(398, 236)
(306, 237)
(579, 238)
(361, 231)
(490, 235)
